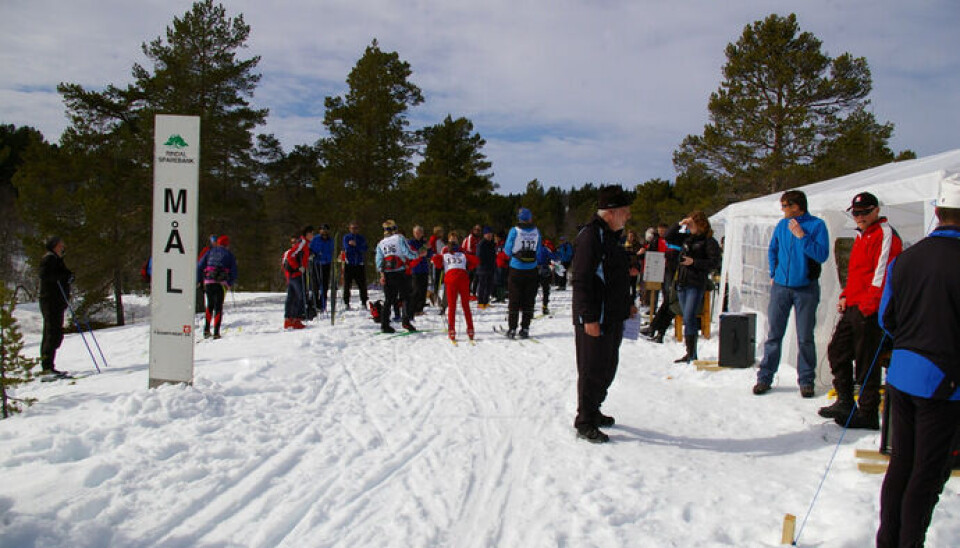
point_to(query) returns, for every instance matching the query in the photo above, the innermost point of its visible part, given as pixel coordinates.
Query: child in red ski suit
(456, 264)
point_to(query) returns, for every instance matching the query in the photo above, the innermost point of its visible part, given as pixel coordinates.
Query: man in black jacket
(55, 279)
(601, 302)
(920, 310)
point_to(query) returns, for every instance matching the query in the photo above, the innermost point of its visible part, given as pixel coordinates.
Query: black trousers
(216, 294)
(545, 282)
(358, 273)
(324, 286)
(484, 285)
(856, 340)
(521, 294)
(597, 360)
(52, 332)
(396, 288)
(418, 294)
(924, 431)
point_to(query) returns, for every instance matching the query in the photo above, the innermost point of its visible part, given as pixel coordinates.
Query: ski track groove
(248, 490)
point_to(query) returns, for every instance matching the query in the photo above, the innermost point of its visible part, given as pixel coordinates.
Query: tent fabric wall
(906, 190)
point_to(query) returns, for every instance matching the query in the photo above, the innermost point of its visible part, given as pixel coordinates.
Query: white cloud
(566, 91)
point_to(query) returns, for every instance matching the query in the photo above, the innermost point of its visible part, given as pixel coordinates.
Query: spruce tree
(15, 368)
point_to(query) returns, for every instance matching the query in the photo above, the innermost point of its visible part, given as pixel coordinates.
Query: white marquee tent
(906, 190)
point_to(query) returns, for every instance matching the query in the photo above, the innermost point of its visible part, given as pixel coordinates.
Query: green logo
(176, 141)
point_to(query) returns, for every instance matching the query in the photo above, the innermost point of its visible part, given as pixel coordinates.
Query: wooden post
(705, 316)
(789, 527)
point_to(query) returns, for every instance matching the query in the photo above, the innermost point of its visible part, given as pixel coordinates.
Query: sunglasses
(861, 212)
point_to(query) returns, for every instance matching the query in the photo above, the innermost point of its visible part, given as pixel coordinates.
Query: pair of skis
(501, 330)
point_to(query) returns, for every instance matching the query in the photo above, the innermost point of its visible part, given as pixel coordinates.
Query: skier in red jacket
(456, 264)
(294, 265)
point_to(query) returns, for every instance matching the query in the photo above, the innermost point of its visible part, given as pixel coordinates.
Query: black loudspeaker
(738, 340)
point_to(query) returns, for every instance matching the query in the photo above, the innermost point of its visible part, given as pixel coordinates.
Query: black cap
(864, 200)
(612, 197)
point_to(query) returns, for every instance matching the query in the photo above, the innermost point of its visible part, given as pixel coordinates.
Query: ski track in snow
(335, 437)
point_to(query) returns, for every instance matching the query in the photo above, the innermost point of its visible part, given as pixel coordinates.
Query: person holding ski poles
(354, 248)
(293, 266)
(55, 280)
(456, 265)
(218, 272)
(920, 311)
(321, 253)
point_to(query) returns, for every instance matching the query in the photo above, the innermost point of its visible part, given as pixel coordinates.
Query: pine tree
(14, 142)
(369, 149)
(15, 368)
(105, 159)
(781, 99)
(453, 179)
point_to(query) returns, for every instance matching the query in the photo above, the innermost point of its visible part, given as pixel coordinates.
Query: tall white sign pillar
(176, 173)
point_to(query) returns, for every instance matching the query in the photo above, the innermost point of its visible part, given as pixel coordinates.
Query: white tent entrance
(906, 190)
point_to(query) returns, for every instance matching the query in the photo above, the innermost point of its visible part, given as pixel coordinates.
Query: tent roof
(894, 183)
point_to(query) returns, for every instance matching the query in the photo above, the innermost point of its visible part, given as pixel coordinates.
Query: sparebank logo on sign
(175, 153)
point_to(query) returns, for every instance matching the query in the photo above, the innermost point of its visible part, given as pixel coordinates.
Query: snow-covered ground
(336, 436)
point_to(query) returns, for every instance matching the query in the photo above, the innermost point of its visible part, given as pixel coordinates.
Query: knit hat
(487, 230)
(612, 197)
(223, 241)
(52, 243)
(524, 215)
(949, 195)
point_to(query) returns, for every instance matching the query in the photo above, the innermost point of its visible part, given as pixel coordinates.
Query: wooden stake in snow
(789, 526)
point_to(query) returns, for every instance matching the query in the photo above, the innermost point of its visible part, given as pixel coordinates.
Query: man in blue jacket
(321, 255)
(920, 310)
(799, 247)
(354, 249)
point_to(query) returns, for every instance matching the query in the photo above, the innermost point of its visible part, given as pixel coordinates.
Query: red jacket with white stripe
(872, 252)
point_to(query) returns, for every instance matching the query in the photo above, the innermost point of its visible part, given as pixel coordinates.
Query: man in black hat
(55, 280)
(858, 333)
(601, 302)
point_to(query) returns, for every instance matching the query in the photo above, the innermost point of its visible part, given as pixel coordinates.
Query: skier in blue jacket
(524, 244)
(920, 310)
(218, 272)
(354, 250)
(321, 256)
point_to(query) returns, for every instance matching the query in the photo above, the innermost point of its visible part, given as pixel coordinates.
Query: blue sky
(564, 91)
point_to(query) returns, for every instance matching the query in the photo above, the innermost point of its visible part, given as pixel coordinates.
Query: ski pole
(843, 433)
(97, 343)
(73, 315)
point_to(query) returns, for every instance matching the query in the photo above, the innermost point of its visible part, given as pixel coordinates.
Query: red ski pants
(458, 288)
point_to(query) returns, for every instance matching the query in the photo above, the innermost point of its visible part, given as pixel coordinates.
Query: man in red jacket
(858, 335)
